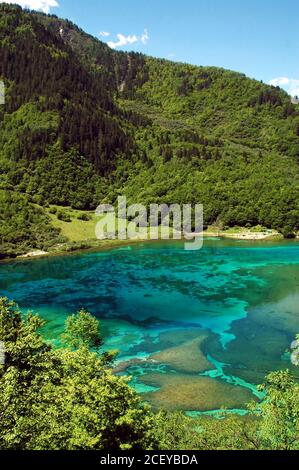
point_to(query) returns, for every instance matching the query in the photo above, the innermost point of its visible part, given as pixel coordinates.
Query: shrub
(63, 216)
(85, 217)
(288, 233)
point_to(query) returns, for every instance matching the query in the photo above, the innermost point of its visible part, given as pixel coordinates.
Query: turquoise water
(196, 331)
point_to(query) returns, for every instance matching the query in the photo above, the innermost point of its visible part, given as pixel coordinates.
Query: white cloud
(123, 41)
(41, 5)
(291, 85)
(104, 34)
(145, 37)
(130, 39)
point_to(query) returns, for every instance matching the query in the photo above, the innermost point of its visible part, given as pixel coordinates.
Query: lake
(196, 331)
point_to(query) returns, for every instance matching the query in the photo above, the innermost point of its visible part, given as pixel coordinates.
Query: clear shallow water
(195, 330)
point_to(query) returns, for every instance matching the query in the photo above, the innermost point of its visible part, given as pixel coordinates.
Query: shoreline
(96, 245)
(246, 235)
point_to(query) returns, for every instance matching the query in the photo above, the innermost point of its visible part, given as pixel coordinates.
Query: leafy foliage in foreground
(83, 124)
(62, 398)
(280, 424)
(69, 398)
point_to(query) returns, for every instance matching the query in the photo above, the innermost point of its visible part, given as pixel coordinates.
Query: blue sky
(257, 37)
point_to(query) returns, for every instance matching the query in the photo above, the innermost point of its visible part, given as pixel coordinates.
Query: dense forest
(68, 398)
(82, 124)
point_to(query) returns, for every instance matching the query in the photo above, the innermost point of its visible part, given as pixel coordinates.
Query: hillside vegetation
(23, 226)
(82, 124)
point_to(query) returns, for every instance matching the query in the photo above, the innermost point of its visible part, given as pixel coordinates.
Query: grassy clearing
(76, 230)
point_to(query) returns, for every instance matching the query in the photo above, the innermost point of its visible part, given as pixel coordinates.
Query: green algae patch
(187, 357)
(190, 393)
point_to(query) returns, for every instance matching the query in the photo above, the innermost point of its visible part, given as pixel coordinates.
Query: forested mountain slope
(83, 123)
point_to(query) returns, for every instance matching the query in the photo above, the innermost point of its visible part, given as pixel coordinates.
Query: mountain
(83, 123)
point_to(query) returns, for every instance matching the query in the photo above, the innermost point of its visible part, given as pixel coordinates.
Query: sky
(257, 37)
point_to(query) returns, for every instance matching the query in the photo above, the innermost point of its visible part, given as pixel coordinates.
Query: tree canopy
(62, 398)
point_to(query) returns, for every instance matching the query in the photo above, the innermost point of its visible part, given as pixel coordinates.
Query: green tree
(59, 399)
(279, 428)
(82, 329)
